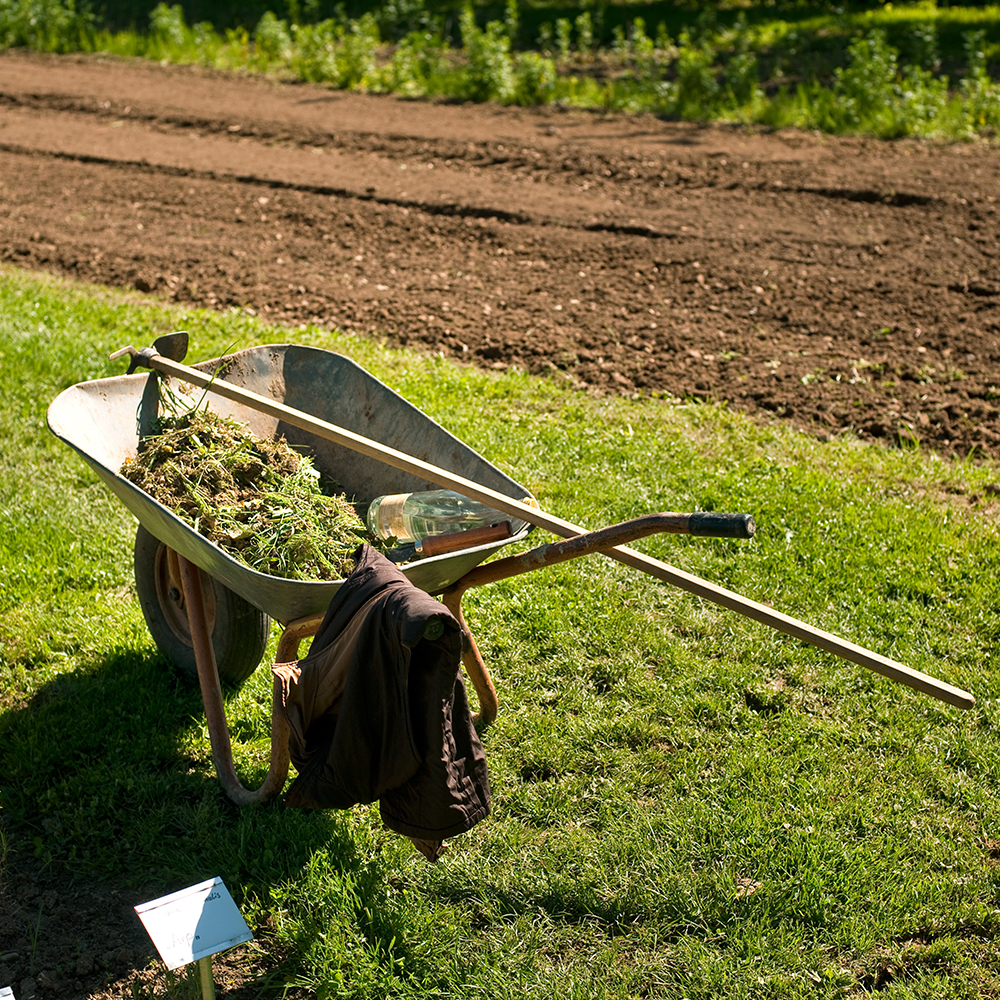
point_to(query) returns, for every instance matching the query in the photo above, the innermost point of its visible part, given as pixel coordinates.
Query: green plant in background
(489, 72)
(885, 71)
(564, 32)
(742, 72)
(584, 35)
(207, 44)
(356, 65)
(697, 82)
(273, 43)
(47, 25)
(512, 21)
(643, 53)
(535, 78)
(866, 88)
(923, 101)
(742, 82)
(873, 95)
(924, 49)
(982, 95)
(167, 27)
(419, 66)
(315, 56)
(400, 18)
(544, 40)
(648, 71)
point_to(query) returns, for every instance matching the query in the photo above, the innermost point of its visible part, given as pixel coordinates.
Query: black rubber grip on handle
(722, 525)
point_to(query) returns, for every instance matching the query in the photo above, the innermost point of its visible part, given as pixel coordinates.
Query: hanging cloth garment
(378, 710)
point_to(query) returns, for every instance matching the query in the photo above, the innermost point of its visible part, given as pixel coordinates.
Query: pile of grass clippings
(262, 501)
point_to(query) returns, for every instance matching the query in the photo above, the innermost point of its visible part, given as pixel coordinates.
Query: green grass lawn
(685, 803)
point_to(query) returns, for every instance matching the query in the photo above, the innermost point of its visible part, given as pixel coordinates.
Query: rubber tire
(239, 630)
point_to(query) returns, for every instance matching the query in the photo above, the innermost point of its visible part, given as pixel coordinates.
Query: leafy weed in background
(887, 72)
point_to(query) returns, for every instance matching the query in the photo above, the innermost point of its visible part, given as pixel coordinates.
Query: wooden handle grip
(435, 545)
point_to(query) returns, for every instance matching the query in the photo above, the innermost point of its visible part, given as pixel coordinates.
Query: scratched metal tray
(103, 420)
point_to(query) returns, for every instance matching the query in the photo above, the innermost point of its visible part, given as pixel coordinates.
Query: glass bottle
(408, 517)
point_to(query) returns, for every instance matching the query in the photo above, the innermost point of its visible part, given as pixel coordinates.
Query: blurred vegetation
(883, 70)
(396, 18)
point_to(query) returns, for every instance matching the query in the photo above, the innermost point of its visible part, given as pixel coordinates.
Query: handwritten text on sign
(194, 923)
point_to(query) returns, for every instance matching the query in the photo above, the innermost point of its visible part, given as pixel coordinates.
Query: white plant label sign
(193, 923)
(6, 993)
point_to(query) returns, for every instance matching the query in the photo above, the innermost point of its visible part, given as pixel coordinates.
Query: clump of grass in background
(489, 71)
(535, 77)
(872, 95)
(882, 72)
(357, 63)
(420, 66)
(273, 44)
(981, 105)
(47, 25)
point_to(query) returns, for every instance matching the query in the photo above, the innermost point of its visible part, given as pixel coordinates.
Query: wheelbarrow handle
(709, 523)
(704, 524)
(606, 540)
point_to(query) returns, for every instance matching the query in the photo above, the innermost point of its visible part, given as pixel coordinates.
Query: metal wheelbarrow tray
(104, 419)
(191, 590)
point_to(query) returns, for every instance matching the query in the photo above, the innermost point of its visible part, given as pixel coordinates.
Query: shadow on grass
(108, 791)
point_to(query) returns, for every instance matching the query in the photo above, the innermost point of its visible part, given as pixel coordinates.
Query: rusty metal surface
(102, 420)
(215, 706)
(667, 522)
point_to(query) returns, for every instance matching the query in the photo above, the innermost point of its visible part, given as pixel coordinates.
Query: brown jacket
(379, 711)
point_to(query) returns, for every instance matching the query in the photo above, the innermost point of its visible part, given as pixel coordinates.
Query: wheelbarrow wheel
(239, 630)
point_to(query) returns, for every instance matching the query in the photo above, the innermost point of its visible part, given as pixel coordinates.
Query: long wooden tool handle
(800, 630)
(566, 529)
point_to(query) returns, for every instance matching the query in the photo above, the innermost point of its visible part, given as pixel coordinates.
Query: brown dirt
(72, 940)
(842, 284)
(845, 285)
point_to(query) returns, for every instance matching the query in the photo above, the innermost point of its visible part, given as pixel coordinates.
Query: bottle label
(390, 517)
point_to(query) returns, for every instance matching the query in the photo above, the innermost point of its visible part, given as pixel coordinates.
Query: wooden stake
(207, 983)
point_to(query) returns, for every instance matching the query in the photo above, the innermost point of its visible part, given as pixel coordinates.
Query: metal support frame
(215, 709)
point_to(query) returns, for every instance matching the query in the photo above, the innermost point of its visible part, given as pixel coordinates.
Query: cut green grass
(263, 502)
(685, 803)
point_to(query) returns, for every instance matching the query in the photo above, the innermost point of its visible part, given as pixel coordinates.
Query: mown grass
(685, 804)
(892, 71)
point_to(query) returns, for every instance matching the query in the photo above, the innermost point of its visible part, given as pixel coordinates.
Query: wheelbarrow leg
(474, 665)
(215, 710)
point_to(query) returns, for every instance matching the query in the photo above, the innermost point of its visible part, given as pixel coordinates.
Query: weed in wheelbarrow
(262, 501)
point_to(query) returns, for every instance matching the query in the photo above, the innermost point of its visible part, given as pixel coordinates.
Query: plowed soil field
(841, 284)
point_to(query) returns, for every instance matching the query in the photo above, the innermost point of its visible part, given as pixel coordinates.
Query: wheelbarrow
(211, 614)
